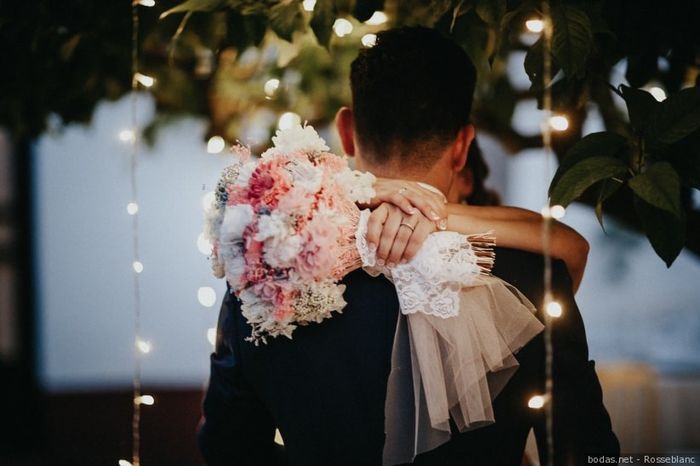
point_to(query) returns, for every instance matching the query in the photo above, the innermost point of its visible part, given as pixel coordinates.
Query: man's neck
(433, 176)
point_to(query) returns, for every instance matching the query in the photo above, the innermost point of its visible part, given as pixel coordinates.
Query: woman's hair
(480, 195)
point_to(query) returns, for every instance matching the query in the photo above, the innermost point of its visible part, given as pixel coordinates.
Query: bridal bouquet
(283, 231)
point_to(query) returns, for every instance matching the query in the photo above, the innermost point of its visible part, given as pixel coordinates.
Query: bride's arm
(522, 229)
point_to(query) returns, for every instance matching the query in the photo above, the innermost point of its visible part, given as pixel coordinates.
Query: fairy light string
(547, 126)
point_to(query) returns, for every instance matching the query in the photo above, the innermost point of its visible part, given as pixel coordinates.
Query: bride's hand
(396, 236)
(409, 196)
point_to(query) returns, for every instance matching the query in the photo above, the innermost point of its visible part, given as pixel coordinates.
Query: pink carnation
(320, 249)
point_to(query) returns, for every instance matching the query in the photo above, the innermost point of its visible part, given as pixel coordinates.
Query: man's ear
(346, 130)
(464, 139)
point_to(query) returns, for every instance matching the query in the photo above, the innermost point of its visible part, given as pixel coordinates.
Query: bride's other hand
(409, 196)
(395, 236)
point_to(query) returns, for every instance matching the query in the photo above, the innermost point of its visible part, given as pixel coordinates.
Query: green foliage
(654, 162)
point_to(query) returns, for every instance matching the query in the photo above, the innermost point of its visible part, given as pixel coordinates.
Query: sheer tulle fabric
(455, 339)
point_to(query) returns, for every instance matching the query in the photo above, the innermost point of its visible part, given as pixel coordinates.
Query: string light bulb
(377, 18)
(124, 463)
(342, 27)
(559, 123)
(206, 296)
(127, 135)
(369, 40)
(204, 245)
(216, 144)
(148, 3)
(143, 346)
(146, 400)
(535, 25)
(309, 5)
(138, 266)
(145, 81)
(536, 402)
(557, 211)
(271, 86)
(211, 336)
(132, 208)
(288, 120)
(554, 309)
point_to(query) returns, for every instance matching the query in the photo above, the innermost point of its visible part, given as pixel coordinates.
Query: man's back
(325, 388)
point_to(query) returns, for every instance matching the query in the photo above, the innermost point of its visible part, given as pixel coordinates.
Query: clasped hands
(403, 214)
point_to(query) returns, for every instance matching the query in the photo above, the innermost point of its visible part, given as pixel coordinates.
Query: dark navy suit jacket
(325, 389)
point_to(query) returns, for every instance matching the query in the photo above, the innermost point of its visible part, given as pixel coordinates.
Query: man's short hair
(412, 93)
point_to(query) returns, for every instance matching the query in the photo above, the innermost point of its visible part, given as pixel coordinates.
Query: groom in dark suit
(325, 389)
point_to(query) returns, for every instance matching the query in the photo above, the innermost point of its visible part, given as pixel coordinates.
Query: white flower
(236, 219)
(245, 171)
(358, 185)
(272, 226)
(306, 176)
(299, 139)
(234, 267)
(282, 253)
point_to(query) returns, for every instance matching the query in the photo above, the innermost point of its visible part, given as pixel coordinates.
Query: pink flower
(236, 195)
(296, 201)
(320, 249)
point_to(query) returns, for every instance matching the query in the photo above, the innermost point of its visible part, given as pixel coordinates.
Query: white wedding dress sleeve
(456, 335)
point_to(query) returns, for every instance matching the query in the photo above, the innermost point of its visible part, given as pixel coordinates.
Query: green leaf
(572, 39)
(607, 189)
(322, 22)
(491, 11)
(666, 232)
(677, 117)
(641, 107)
(286, 18)
(195, 5)
(584, 174)
(659, 186)
(605, 143)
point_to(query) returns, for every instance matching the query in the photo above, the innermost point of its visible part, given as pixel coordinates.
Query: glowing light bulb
(342, 27)
(148, 3)
(559, 123)
(271, 86)
(658, 93)
(125, 463)
(211, 336)
(554, 309)
(147, 400)
(536, 402)
(377, 18)
(206, 296)
(204, 245)
(132, 208)
(138, 266)
(288, 120)
(145, 81)
(369, 40)
(127, 135)
(143, 346)
(278, 437)
(309, 5)
(534, 25)
(557, 211)
(215, 144)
